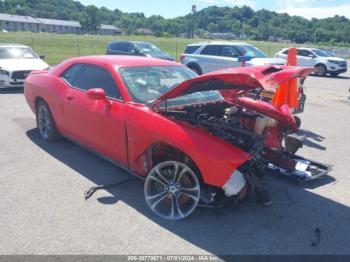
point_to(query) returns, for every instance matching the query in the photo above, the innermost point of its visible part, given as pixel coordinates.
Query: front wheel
(172, 190)
(321, 70)
(45, 123)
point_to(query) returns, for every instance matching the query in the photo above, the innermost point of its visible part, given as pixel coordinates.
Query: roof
(109, 27)
(47, 21)
(219, 43)
(125, 61)
(18, 18)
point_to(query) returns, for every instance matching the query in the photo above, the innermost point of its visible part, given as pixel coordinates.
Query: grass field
(58, 47)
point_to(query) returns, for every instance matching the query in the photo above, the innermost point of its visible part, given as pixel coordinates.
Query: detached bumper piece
(304, 169)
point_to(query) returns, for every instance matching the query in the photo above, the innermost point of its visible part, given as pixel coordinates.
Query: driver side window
(229, 51)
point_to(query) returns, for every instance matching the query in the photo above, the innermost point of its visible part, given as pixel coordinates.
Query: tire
(196, 69)
(172, 190)
(45, 123)
(322, 70)
(297, 121)
(334, 74)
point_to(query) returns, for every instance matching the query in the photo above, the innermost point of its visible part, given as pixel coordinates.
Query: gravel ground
(43, 210)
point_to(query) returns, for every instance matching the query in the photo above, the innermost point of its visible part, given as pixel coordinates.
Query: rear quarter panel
(47, 87)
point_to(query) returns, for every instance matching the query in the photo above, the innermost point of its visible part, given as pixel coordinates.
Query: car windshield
(17, 53)
(148, 83)
(251, 51)
(148, 48)
(321, 53)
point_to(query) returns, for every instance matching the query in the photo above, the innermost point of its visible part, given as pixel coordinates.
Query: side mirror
(42, 57)
(96, 94)
(312, 56)
(133, 52)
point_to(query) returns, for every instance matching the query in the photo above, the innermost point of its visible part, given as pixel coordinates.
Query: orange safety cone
(287, 93)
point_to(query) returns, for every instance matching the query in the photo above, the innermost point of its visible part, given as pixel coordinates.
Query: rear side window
(211, 50)
(191, 49)
(85, 77)
(285, 52)
(114, 46)
(71, 74)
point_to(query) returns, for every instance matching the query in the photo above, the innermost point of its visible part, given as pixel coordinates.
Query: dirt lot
(43, 210)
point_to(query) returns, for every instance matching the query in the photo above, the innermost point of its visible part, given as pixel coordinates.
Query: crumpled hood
(238, 80)
(266, 61)
(11, 65)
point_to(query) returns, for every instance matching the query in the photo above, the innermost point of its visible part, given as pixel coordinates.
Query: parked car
(16, 62)
(192, 139)
(207, 57)
(324, 61)
(137, 48)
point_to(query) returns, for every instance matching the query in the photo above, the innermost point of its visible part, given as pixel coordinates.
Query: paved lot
(42, 209)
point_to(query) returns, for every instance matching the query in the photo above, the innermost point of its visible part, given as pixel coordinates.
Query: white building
(10, 22)
(59, 26)
(19, 23)
(109, 30)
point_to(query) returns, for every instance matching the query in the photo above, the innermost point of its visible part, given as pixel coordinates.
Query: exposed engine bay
(271, 142)
(231, 123)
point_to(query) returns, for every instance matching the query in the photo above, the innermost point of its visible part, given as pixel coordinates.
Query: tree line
(242, 21)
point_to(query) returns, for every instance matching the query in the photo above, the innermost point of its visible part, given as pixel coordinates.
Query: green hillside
(255, 25)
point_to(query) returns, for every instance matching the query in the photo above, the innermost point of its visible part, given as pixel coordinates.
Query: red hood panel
(238, 79)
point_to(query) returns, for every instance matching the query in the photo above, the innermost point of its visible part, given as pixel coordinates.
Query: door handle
(69, 97)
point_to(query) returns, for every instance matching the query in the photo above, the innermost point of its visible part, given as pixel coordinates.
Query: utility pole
(194, 9)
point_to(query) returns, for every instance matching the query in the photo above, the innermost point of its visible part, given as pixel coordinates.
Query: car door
(305, 58)
(209, 59)
(98, 124)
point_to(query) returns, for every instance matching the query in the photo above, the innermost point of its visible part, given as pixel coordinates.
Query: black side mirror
(42, 57)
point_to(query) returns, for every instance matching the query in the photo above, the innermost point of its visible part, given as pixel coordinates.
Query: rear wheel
(45, 123)
(172, 190)
(321, 70)
(297, 121)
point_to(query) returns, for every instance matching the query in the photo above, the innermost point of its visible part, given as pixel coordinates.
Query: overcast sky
(174, 8)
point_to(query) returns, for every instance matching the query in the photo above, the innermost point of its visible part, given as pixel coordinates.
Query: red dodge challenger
(195, 140)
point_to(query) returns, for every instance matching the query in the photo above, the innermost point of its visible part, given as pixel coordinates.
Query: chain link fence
(58, 47)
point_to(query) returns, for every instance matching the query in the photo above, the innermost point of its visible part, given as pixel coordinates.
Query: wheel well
(160, 152)
(196, 66)
(321, 64)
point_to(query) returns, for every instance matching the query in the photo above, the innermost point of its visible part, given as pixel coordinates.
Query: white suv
(207, 57)
(324, 61)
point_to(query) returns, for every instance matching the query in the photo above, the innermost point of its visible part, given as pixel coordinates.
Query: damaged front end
(233, 125)
(267, 133)
(281, 143)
